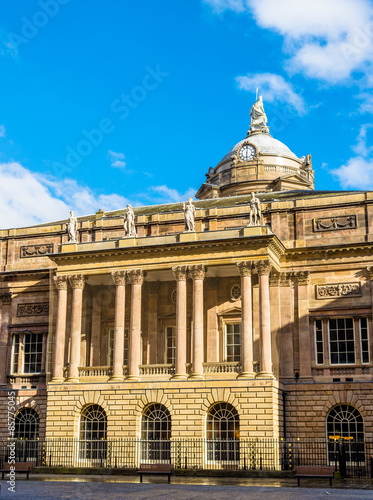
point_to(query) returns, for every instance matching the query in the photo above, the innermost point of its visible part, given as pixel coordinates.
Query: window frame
(339, 363)
(316, 342)
(227, 323)
(21, 352)
(110, 347)
(173, 347)
(365, 340)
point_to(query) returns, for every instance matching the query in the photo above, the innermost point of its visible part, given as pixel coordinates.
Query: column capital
(180, 273)
(119, 277)
(245, 268)
(286, 278)
(302, 277)
(263, 267)
(274, 278)
(60, 282)
(6, 298)
(197, 272)
(77, 281)
(136, 276)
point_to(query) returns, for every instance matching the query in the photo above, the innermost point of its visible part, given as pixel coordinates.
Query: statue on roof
(72, 228)
(258, 118)
(255, 211)
(189, 214)
(129, 223)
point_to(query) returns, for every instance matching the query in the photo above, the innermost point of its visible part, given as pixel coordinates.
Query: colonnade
(135, 278)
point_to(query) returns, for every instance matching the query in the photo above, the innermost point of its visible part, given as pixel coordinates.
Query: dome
(265, 144)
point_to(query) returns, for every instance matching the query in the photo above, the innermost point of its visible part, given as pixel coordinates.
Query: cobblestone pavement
(115, 488)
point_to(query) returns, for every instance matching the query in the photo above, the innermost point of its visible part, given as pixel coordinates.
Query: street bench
(314, 471)
(22, 467)
(165, 469)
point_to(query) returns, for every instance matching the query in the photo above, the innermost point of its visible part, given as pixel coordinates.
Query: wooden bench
(22, 467)
(325, 471)
(165, 469)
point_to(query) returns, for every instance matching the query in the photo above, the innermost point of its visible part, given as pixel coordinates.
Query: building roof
(265, 144)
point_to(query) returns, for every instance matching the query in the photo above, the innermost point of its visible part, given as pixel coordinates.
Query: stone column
(264, 268)
(245, 269)
(197, 273)
(77, 282)
(136, 278)
(119, 278)
(6, 301)
(180, 274)
(305, 372)
(59, 339)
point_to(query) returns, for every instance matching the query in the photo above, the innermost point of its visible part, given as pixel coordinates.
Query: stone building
(255, 324)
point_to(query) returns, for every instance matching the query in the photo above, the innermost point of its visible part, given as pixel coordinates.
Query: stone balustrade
(157, 369)
(225, 367)
(95, 371)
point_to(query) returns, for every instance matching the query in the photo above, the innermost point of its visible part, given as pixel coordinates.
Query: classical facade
(247, 313)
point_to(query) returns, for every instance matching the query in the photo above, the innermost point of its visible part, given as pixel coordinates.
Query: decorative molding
(274, 278)
(197, 272)
(180, 273)
(60, 282)
(263, 267)
(136, 276)
(245, 268)
(119, 277)
(286, 278)
(335, 223)
(6, 298)
(36, 250)
(40, 309)
(338, 290)
(235, 293)
(77, 280)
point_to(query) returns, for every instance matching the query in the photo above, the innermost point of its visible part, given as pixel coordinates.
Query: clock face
(247, 152)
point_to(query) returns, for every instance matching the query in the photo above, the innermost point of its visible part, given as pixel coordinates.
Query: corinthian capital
(136, 276)
(180, 273)
(119, 277)
(197, 272)
(245, 268)
(263, 267)
(302, 277)
(77, 280)
(60, 282)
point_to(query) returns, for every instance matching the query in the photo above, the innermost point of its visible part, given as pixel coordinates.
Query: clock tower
(258, 163)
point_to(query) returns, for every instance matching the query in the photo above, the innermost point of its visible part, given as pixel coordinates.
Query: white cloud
(221, 5)
(325, 39)
(361, 148)
(2, 131)
(164, 194)
(27, 198)
(117, 160)
(274, 89)
(356, 173)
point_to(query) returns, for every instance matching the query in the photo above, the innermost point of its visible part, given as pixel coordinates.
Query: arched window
(26, 424)
(223, 433)
(156, 433)
(345, 432)
(93, 426)
(345, 421)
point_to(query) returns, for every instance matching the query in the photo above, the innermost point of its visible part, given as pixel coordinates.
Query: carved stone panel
(338, 290)
(36, 250)
(41, 309)
(335, 223)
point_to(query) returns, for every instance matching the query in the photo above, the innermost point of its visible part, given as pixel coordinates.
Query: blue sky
(105, 103)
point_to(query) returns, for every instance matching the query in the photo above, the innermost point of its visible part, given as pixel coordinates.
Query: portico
(188, 312)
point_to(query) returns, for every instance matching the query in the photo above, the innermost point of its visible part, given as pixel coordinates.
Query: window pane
(33, 348)
(341, 345)
(233, 342)
(319, 342)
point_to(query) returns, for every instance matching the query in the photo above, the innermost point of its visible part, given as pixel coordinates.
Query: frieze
(338, 290)
(335, 223)
(36, 250)
(41, 309)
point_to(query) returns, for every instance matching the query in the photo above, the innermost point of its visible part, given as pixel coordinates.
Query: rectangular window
(319, 342)
(170, 345)
(111, 347)
(364, 340)
(15, 353)
(33, 349)
(233, 342)
(341, 341)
